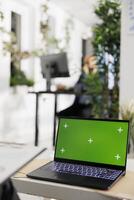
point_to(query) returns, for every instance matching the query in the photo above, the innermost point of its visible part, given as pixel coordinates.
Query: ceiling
(81, 9)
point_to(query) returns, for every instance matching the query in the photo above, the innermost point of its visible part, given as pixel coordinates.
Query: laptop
(89, 153)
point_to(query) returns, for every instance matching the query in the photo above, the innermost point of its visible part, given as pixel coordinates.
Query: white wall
(30, 18)
(127, 59)
(4, 60)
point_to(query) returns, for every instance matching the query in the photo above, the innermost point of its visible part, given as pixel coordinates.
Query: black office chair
(77, 109)
(82, 104)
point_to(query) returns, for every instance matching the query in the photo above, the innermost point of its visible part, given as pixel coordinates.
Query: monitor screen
(56, 64)
(96, 141)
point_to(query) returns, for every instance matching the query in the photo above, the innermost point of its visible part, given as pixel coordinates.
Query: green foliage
(92, 84)
(93, 88)
(1, 15)
(49, 41)
(19, 78)
(106, 43)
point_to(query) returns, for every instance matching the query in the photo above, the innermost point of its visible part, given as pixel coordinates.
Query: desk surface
(69, 92)
(10, 161)
(53, 92)
(122, 189)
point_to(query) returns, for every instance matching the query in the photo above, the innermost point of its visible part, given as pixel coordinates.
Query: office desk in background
(123, 189)
(37, 95)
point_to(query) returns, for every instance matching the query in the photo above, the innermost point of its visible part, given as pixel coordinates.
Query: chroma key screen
(97, 141)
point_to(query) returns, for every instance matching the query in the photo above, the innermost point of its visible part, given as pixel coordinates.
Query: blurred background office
(30, 29)
(100, 32)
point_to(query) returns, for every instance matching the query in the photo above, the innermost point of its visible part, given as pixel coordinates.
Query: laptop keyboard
(84, 170)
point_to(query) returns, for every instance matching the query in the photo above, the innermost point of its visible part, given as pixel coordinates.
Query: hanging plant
(18, 77)
(49, 41)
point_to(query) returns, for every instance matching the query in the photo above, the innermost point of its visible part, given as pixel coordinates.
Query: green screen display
(92, 140)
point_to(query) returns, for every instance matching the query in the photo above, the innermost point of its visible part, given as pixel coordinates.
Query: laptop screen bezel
(86, 162)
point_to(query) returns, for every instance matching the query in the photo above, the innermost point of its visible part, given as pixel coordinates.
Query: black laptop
(89, 153)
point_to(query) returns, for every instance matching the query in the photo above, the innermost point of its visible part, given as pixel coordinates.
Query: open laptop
(88, 152)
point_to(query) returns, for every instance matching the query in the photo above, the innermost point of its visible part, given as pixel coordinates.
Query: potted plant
(127, 113)
(106, 45)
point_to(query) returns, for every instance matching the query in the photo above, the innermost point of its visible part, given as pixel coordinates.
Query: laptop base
(44, 173)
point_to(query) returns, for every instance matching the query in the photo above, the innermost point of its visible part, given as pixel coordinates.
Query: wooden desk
(55, 93)
(124, 189)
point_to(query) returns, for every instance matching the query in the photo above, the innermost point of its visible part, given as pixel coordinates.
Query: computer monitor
(54, 65)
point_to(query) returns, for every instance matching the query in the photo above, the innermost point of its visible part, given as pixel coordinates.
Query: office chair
(82, 104)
